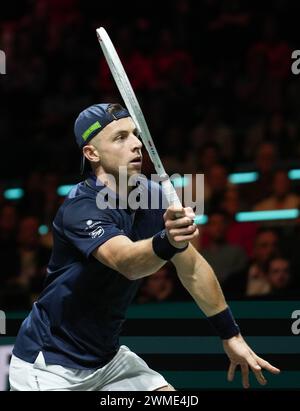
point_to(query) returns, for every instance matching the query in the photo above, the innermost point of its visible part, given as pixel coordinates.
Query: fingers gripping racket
(130, 100)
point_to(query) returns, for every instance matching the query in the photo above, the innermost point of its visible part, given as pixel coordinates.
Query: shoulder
(78, 198)
(81, 205)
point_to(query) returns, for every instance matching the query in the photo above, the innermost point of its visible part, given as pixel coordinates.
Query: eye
(120, 137)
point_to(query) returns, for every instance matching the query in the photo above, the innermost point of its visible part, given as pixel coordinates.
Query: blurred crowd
(215, 83)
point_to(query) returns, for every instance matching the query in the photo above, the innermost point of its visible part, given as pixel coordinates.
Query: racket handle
(170, 193)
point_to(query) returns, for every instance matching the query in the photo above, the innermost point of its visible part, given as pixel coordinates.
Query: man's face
(217, 178)
(265, 158)
(279, 273)
(266, 246)
(159, 283)
(217, 227)
(118, 146)
(281, 184)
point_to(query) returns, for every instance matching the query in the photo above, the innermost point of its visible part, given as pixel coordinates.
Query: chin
(134, 172)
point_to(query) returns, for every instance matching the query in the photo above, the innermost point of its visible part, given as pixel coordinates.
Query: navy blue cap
(93, 119)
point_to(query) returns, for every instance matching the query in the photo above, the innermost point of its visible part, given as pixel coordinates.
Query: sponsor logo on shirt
(94, 228)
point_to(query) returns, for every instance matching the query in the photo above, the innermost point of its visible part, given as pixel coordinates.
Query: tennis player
(70, 340)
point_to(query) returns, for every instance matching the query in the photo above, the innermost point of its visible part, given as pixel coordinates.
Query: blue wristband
(224, 324)
(163, 248)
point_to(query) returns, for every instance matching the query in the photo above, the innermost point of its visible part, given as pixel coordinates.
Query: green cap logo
(89, 131)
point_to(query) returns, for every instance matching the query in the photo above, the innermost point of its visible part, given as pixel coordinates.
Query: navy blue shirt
(77, 319)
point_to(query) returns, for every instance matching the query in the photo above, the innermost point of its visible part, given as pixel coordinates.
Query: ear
(91, 153)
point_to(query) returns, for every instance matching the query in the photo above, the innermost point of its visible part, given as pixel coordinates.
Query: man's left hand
(241, 354)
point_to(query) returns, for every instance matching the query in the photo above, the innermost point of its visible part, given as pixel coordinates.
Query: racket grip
(170, 193)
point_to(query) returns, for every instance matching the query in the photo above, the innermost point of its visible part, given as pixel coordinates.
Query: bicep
(89, 233)
(113, 252)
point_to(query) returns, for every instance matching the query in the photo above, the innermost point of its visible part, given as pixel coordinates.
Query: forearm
(199, 279)
(140, 260)
(132, 259)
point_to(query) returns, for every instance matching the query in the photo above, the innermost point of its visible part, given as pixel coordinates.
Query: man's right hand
(180, 227)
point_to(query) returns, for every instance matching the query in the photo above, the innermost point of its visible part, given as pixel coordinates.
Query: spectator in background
(281, 196)
(226, 259)
(173, 65)
(174, 143)
(33, 259)
(8, 225)
(254, 137)
(50, 184)
(33, 200)
(279, 277)
(28, 264)
(277, 129)
(213, 130)
(282, 132)
(253, 282)
(253, 86)
(290, 248)
(215, 184)
(276, 50)
(205, 161)
(162, 286)
(265, 162)
(241, 234)
(266, 246)
(8, 230)
(138, 66)
(267, 68)
(209, 156)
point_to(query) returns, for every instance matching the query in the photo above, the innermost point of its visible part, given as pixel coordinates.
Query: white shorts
(125, 372)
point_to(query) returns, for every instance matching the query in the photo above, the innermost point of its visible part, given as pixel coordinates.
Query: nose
(136, 143)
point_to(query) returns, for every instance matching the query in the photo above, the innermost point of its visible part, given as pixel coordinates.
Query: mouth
(137, 161)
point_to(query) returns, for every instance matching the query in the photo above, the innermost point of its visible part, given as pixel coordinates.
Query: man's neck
(113, 183)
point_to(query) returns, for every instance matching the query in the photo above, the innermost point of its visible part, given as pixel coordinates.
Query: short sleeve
(87, 227)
